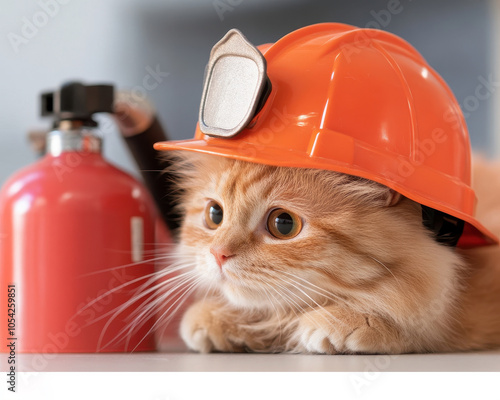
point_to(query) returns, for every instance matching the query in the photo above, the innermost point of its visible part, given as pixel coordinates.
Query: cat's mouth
(226, 275)
(234, 276)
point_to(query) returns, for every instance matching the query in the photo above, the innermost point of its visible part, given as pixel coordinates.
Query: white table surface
(185, 362)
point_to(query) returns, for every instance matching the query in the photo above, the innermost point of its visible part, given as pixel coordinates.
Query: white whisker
(189, 290)
(314, 288)
(135, 264)
(142, 318)
(385, 266)
(317, 305)
(122, 307)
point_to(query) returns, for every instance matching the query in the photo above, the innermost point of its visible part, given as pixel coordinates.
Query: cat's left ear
(393, 198)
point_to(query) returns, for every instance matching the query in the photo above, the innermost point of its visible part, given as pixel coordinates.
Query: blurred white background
(47, 42)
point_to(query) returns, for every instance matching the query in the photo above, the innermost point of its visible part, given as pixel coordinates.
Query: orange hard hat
(336, 97)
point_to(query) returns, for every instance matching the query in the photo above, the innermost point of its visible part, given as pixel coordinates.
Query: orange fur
(480, 317)
(363, 276)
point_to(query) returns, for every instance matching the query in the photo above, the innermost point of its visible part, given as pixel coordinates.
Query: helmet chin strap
(447, 228)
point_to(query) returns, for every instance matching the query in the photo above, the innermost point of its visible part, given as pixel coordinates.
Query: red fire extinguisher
(76, 234)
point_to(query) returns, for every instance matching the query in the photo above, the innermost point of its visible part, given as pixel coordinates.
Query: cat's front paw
(333, 330)
(204, 329)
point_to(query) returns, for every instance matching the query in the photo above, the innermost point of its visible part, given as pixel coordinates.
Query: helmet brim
(474, 234)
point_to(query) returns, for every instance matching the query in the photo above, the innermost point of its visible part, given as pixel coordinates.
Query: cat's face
(264, 236)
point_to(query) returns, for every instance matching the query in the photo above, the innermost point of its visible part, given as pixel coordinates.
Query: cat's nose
(221, 255)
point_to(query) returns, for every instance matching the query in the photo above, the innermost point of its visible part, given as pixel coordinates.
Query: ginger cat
(312, 261)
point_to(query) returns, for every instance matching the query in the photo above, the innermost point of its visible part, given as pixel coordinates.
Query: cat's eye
(283, 224)
(213, 215)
